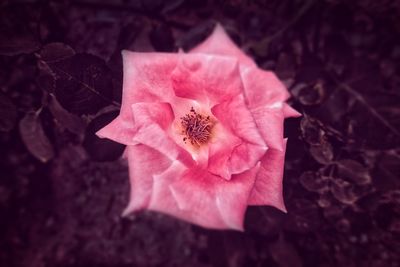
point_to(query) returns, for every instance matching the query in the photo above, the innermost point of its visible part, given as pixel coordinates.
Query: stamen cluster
(196, 127)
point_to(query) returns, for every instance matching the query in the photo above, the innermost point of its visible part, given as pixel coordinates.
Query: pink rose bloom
(204, 133)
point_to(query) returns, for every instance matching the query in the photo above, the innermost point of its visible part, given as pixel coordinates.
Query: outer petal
(206, 78)
(164, 199)
(268, 187)
(219, 43)
(141, 161)
(152, 120)
(270, 125)
(146, 78)
(262, 88)
(211, 201)
(120, 130)
(288, 111)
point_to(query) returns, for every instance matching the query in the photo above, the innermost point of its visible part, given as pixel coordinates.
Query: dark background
(62, 190)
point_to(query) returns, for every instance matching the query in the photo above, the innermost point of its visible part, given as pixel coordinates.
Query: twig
(371, 109)
(288, 25)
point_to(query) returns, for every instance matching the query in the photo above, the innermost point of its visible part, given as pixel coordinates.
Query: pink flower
(204, 133)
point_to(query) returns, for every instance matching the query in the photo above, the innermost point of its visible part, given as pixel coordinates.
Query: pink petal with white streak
(163, 200)
(268, 188)
(207, 79)
(262, 88)
(270, 124)
(212, 201)
(142, 167)
(146, 78)
(120, 130)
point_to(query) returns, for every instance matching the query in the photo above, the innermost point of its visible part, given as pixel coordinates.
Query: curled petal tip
(239, 228)
(281, 206)
(124, 52)
(102, 133)
(126, 212)
(290, 112)
(99, 134)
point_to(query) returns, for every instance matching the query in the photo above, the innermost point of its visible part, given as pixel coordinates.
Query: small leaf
(8, 113)
(311, 131)
(344, 191)
(322, 153)
(65, 119)
(314, 182)
(353, 171)
(83, 83)
(101, 149)
(55, 51)
(312, 95)
(34, 138)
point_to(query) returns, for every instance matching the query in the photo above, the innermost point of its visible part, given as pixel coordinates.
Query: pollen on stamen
(196, 128)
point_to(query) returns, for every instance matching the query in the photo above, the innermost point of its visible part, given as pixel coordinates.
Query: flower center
(196, 128)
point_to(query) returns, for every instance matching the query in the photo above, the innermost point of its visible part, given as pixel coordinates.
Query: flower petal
(212, 201)
(270, 125)
(219, 43)
(268, 187)
(162, 199)
(120, 130)
(148, 113)
(262, 88)
(141, 161)
(232, 200)
(289, 112)
(146, 78)
(206, 78)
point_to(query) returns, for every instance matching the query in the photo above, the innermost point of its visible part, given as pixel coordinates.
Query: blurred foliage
(62, 189)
